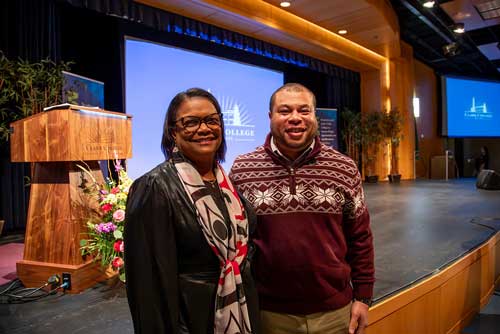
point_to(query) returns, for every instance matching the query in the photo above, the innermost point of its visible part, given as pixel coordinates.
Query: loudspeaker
(488, 179)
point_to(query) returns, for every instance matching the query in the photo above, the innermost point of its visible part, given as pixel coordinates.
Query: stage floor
(419, 228)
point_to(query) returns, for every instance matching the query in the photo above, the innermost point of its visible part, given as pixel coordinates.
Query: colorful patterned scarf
(229, 243)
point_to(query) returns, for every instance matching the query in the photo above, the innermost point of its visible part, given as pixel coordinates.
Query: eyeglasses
(193, 123)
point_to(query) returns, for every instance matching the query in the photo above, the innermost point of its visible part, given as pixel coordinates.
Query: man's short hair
(291, 87)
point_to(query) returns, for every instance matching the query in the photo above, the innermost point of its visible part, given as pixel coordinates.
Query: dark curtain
(343, 94)
(92, 42)
(29, 30)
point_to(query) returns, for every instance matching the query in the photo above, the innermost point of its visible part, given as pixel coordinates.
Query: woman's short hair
(168, 142)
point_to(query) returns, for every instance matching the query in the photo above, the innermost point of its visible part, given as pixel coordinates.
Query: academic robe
(171, 271)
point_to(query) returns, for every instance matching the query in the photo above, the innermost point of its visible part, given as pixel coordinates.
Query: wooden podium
(55, 142)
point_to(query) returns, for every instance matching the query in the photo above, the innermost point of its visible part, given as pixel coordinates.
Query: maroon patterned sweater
(314, 243)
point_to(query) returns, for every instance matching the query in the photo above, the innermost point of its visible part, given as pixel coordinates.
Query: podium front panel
(72, 135)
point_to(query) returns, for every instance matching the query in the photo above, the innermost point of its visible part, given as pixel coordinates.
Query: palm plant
(351, 133)
(393, 128)
(371, 137)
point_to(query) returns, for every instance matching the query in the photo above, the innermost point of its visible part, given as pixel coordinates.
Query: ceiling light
(451, 49)
(458, 28)
(428, 4)
(342, 32)
(285, 4)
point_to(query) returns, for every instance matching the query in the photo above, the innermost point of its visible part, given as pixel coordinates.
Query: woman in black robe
(186, 233)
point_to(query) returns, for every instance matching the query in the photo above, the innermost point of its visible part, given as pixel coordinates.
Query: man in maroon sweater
(314, 262)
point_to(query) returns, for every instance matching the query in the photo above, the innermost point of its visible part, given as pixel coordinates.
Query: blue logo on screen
(239, 125)
(477, 111)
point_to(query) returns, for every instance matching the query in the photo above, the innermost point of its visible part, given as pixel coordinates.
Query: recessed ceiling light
(285, 4)
(461, 15)
(428, 4)
(458, 28)
(342, 32)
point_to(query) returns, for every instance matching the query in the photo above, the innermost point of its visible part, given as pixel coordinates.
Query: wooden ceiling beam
(269, 23)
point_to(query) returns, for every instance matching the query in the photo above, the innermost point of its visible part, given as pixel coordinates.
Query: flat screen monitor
(471, 108)
(82, 91)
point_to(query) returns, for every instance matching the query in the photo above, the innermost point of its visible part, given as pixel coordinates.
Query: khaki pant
(332, 322)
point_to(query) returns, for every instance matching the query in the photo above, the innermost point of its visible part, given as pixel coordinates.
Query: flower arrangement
(105, 229)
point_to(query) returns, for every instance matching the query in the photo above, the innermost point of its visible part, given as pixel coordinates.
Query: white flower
(110, 198)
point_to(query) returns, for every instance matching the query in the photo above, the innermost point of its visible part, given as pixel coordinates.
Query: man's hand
(359, 318)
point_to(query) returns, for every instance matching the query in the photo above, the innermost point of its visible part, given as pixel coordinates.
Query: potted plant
(351, 133)
(393, 128)
(371, 137)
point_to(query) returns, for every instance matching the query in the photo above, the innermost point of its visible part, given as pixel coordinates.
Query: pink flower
(117, 262)
(119, 215)
(106, 207)
(115, 190)
(118, 165)
(119, 246)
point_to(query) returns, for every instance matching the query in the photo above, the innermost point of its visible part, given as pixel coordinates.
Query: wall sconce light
(458, 28)
(285, 4)
(428, 4)
(416, 107)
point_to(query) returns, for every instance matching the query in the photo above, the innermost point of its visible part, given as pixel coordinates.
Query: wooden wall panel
(461, 296)
(370, 91)
(430, 142)
(418, 317)
(404, 86)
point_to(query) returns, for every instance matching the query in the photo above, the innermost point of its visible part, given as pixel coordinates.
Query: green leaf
(83, 243)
